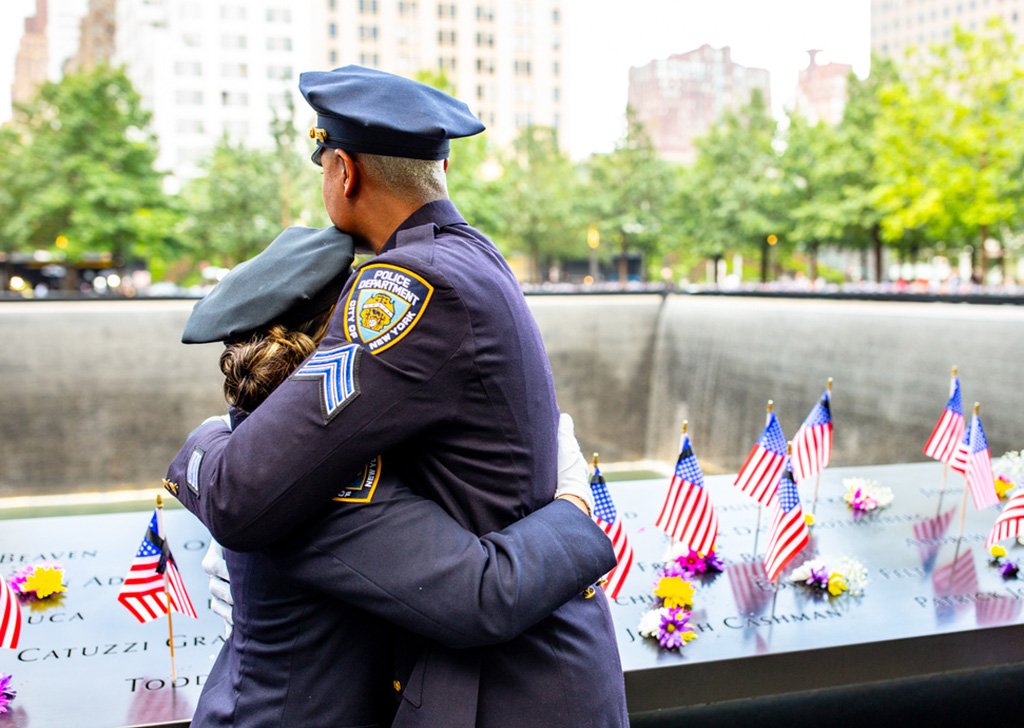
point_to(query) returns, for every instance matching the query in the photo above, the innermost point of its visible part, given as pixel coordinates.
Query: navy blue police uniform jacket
(434, 353)
(313, 640)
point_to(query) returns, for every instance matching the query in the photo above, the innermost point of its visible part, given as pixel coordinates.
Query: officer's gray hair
(419, 179)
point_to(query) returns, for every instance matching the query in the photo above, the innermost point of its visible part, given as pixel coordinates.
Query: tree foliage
(77, 162)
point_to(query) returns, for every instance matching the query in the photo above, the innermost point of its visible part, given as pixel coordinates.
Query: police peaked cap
(363, 110)
(296, 277)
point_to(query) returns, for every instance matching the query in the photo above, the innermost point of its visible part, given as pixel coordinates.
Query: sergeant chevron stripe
(337, 370)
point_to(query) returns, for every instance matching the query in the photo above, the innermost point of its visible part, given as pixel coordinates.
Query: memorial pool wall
(99, 395)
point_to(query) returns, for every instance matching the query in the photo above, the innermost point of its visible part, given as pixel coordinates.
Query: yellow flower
(998, 551)
(675, 592)
(809, 519)
(45, 581)
(689, 636)
(836, 584)
(1003, 486)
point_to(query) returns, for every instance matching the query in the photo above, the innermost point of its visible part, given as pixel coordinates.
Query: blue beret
(363, 110)
(296, 277)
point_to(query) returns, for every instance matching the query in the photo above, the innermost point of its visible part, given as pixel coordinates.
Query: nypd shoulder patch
(337, 371)
(361, 489)
(384, 304)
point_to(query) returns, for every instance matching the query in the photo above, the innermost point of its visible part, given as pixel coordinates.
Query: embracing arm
(405, 560)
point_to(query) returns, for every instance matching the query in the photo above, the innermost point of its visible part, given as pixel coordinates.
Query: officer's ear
(446, 165)
(350, 172)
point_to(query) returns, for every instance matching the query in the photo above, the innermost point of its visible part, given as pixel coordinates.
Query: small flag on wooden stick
(762, 469)
(687, 514)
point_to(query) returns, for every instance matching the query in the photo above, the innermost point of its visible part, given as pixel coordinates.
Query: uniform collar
(440, 212)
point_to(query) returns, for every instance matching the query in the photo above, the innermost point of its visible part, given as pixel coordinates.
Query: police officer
(433, 352)
(291, 640)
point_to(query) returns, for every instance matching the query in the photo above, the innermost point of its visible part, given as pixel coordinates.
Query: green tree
(77, 162)
(951, 130)
(536, 197)
(247, 196)
(733, 192)
(627, 194)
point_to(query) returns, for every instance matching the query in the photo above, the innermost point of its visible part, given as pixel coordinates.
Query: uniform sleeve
(405, 560)
(351, 400)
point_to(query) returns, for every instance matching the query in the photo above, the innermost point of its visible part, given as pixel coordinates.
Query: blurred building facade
(898, 25)
(214, 68)
(678, 99)
(95, 36)
(821, 90)
(505, 58)
(32, 58)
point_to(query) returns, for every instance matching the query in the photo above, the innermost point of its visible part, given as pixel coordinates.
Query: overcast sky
(606, 37)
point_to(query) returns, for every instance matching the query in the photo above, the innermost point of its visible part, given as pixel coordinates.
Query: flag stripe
(10, 616)
(759, 474)
(1009, 522)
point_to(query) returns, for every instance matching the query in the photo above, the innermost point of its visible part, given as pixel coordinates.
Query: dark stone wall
(100, 395)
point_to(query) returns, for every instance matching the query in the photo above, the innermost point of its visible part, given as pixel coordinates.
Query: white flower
(855, 573)
(650, 622)
(803, 572)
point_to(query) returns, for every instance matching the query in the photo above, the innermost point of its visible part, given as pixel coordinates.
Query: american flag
(687, 514)
(1010, 521)
(611, 524)
(979, 475)
(10, 616)
(763, 466)
(153, 575)
(950, 428)
(812, 445)
(789, 532)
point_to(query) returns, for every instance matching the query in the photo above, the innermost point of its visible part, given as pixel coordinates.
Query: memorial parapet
(917, 615)
(83, 660)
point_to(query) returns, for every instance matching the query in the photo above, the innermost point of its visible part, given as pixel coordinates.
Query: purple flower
(673, 569)
(713, 562)
(818, 578)
(1009, 570)
(6, 694)
(674, 626)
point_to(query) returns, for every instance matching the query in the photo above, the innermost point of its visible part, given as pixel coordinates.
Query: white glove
(220, 587)
(226, 419)
(573, 475)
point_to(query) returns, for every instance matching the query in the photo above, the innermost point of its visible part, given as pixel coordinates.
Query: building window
(234, 98)
(334, 57)
(282, 73)
(232, 12)
(189, 98)
(557, 94)
(367, 32)
(330, 4)
(188, 68)
(279, 15)
(332, 29)
(368, 6)
(190, 126)
(235, 70)
(556, 16)
(556, 68)
(232, 41)
(191, 40)
(279, 44)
